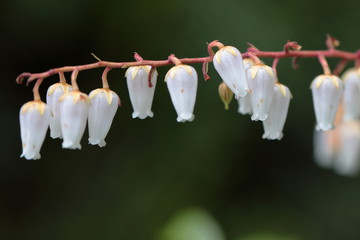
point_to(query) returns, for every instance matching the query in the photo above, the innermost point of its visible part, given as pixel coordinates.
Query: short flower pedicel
(141, 94)
(326, 91)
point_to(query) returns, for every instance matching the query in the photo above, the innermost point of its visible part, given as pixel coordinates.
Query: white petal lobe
(351, 94)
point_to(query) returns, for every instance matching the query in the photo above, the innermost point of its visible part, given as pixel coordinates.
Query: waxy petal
(182, 83)
(228, 63)
(141, 95)
(103, 106)
(34, 122)
(351, 94)
(74, 107)
(326, 92)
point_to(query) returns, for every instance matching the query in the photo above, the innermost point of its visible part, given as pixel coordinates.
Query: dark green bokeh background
(150, 169)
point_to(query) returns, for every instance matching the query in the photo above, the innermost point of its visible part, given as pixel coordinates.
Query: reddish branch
(291, 50)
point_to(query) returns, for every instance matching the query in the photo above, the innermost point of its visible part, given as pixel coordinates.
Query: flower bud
(262, 85)
(34, 122)
(226, 95)
(53, 95)
(103, 106)
(74, 108)
(141, 95)
(182, 83)
(229, 64)
(326, 92)
(351, 94)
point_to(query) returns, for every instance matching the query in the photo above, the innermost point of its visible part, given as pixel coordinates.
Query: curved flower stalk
(103, 106)
(348, 160)
(53, 95)
(245, 102)
(275, 122)
(228, 63)
(182, 83)
(351, 98)
(74, 107)
(34, 122)
(326, 91)
(141, 95)
(262, 85)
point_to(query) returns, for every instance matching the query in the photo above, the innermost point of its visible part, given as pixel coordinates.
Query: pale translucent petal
(262, 84)
(101, 114)
(326, 91)
(351, 94)
(53, 95)
(245, 105)
(325, 147)
(277, 114)
(34, 122)
(182, 85)
(348, 160)
(228, 63)
(141, 95)
(74, 107)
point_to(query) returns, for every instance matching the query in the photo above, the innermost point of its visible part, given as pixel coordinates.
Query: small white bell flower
(74, 108)
(348, 160)
(274, 124)
(34, 122)
(262, 83)
(53, 95)
(228, 63)
(141, 95)
(352, 94)
(103, 106)
(182, 83)
(326, 92)
(245, 102)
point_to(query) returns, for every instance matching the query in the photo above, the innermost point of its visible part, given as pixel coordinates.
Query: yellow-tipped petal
(37, 105)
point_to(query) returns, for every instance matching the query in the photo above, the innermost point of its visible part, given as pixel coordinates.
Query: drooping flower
(348, 160)
(103, 106)
(34, 122)
(141, 95)
(228, 63)
(326, 92)
(262, 83)
(245, 102)
(182, 83)
(352, 94)
(53, 95)
(74, 108)
(277, 114)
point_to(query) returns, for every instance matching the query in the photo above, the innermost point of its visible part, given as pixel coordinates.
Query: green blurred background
(151, 170)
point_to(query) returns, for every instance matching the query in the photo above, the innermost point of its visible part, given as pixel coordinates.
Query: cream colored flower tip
(351, 94)
(182, 83)
(228, 63)
(326, 92)
(262, 83)
(74, 107)
(53, 95)
(141, 95)
(274, 124)
(347, 161)
(34, 122)
(103, 106)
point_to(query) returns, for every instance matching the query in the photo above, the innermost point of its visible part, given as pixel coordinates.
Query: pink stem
(36, 89)
(324, 64)
(104, 78)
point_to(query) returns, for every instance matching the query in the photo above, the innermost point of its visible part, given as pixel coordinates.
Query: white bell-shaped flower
(262, 83)
(103, 106)
(141, 95)
(245, 102)
(348, 160)
(53, 95)
(228, 63)
(351, 94)
(34, 122)
(326, 92)
(275, 122)
(74, 108)
(182, 83)
(326, 145)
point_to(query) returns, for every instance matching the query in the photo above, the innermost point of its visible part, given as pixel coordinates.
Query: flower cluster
(255, 86)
